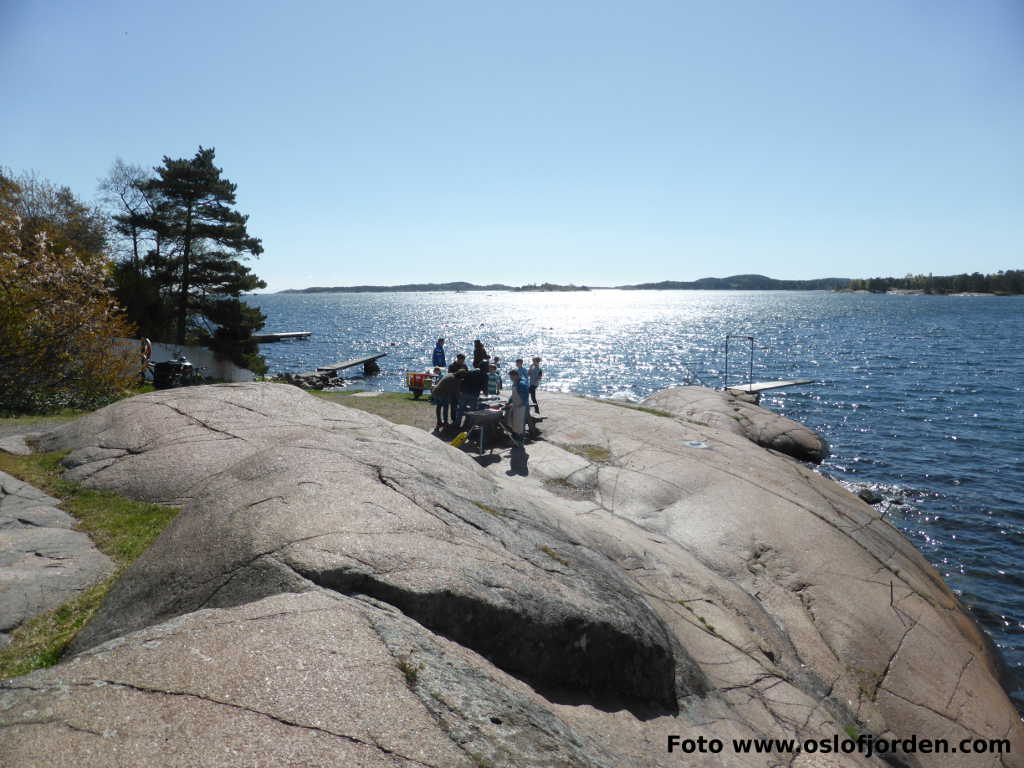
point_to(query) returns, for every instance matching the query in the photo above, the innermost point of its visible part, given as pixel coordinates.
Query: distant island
(1008, 282)
(406, 288)
(551, 287)
(743, 283)
(735, 283)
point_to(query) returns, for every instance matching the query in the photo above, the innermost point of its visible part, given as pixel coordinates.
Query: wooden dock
(766, 385)
(368, 363)
(267, 338)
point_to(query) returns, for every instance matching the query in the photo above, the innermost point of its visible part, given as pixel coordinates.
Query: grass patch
(41, 470)
(378, 395)
(634, 407)
(59, 417)
(396, 407)
(410, 671)
(40, 641)
(563, 488)
(704, 622)
(120, 528)
(596, 454)
(554, 555)
(489, 510)
(709, 627)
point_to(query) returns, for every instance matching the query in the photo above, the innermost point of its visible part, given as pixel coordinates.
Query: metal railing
(750, 374)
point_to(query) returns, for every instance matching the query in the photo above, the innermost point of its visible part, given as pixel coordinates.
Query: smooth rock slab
(733, 412)
(18, 444)
(651, 576)
(291, 493)
(361, 685)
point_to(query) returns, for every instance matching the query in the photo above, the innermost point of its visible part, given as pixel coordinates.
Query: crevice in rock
(935, 712)
(269, 716)
(468, 522)
(389, 483)
(892, 658)
(566, 659)
(956, 686)
(200, 422)
(23, 723)
(78, 729)
(280, 498)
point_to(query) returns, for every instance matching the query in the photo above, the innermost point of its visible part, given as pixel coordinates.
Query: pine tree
(204, 240)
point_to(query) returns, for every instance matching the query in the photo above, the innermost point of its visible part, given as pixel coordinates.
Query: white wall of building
(202, 358)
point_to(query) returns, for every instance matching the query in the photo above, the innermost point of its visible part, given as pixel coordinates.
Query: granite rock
(341, 590)
(43, 562)
(737, 413)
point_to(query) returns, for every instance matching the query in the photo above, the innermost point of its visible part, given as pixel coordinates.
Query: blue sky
(588, 142)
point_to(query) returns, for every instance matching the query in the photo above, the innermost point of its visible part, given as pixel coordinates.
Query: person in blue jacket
(439, 354)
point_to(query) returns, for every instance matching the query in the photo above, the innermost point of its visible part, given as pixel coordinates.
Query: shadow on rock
(578, 659)
(518, 461)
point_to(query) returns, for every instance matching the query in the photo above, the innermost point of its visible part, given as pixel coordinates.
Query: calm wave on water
(921, 397)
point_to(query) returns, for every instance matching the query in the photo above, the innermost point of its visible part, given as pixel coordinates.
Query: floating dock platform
(267, 338)
(763, 386)
(368, 363)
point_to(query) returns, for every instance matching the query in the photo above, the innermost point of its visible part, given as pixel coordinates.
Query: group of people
(458, 388)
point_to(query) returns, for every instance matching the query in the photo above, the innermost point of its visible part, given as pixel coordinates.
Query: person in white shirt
(516, 408)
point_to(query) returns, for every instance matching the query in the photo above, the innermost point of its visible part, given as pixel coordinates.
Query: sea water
(920, 397)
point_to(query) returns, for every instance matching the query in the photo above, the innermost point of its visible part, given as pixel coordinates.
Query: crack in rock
(243, 708)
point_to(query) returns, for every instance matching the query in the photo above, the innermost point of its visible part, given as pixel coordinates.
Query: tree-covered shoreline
(1006, 283)
(1009, 282)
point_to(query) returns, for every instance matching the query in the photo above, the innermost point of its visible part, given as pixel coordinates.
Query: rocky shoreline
(341, 590)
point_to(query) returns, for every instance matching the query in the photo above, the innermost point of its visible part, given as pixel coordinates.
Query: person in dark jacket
(479, 353)
(446, 397)
(473, 385)
(439, 354)
(457, 363)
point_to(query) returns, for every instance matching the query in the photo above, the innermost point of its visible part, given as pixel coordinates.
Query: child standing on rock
(493, 381)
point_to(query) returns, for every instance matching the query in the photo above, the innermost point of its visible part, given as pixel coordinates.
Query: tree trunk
(185, 279)
(135, 251)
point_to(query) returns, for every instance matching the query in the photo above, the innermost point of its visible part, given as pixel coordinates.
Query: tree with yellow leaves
(58, 320)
